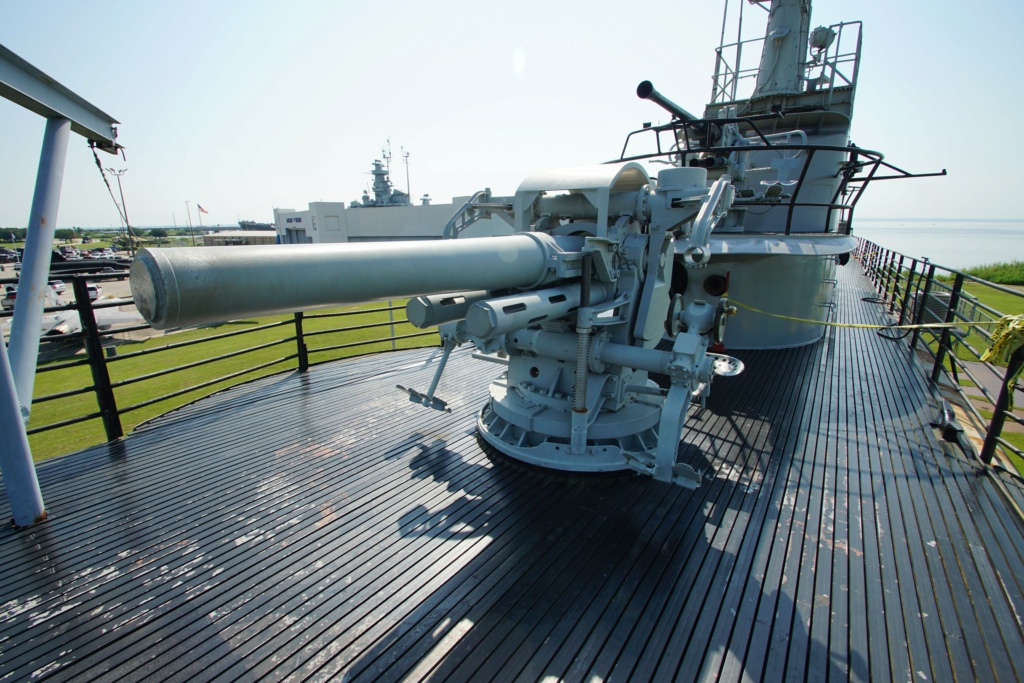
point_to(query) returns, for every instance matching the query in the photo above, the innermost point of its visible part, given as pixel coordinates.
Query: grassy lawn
(1018, 442)
(1007, 273)
(976, 339)
(277, 336)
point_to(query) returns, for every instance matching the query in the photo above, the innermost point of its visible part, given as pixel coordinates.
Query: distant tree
(65, 234)
(158, 232)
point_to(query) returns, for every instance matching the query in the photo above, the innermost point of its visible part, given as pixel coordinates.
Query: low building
(232, 238)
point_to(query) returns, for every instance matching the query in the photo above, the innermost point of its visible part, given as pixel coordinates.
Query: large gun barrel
(646, 91)
(185, 286)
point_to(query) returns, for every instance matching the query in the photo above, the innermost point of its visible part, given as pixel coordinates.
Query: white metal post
(18, 362)
(27, 86)
(15, 457)
(35, 265)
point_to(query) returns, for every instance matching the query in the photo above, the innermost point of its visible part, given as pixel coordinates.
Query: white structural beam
(24, 84)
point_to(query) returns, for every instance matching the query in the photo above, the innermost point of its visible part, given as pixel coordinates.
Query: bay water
(954, 243)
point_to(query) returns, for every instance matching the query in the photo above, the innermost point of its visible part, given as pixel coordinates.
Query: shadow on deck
(321, 525)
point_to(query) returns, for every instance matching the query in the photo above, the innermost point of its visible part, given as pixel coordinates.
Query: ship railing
(93, 385)
(730, 75)
(836, 66)
(915, 291)
(674, 145)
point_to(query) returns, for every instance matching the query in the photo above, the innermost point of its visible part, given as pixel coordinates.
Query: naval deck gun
(575, 303)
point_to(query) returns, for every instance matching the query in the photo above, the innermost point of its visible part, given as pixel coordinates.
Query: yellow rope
(1006, 339)
(866, 326)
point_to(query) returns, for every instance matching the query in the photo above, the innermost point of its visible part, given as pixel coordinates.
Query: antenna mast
(408, 186)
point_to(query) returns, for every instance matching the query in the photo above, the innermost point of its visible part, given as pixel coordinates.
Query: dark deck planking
(322, 525)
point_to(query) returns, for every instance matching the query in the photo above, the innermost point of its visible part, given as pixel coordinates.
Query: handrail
(730, 70)
(844, 200)
(114, 374)
(928, 296)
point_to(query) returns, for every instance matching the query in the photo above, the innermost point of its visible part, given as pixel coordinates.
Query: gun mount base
(620, 441)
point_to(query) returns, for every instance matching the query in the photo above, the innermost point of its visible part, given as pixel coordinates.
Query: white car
(10, 293)
(58, 286)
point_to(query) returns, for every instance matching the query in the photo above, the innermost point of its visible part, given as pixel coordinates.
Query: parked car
(61, 265)
(94, 291)
(58, 286)
(122, 273)
(10, 294)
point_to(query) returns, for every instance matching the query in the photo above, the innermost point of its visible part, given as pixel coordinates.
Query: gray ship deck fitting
(316, 524)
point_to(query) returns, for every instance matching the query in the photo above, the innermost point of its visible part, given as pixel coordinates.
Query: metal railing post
(888, 273)
(896, 284)
(19, 471)
(869, 265)
(922, 304)
(300, 342)
(995, 428)
(878, 266)
(954, 302)
(906, 293)
(97, 361)
(391, 319)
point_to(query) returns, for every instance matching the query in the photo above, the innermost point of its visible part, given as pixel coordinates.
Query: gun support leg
(428, 398)
(673, 419)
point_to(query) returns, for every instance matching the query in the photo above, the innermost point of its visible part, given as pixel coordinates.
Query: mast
(785, 49)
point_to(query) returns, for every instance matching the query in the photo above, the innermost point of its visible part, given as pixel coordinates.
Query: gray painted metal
(19, 472)
(181, 287)
(532, 410)
(35, 263)
(785, 47)
(24, 84)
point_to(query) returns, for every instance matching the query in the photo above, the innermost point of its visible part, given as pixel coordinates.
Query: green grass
(1017, 440)
(74, 437)
(1008, 273)
(1006, 304)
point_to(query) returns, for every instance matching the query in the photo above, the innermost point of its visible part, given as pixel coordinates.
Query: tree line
(68, 235)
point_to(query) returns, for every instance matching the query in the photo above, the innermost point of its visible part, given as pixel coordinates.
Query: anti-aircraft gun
(575, 302)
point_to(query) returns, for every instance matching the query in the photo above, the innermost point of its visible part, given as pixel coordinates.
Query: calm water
(952, 243)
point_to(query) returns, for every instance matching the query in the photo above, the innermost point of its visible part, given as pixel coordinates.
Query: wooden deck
(321, 525)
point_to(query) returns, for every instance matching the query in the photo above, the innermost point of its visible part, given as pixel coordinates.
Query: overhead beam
(24, 84)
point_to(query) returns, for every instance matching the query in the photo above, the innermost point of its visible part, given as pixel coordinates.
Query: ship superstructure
(779, 133)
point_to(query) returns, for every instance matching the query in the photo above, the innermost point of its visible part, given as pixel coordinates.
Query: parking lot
(116, 288)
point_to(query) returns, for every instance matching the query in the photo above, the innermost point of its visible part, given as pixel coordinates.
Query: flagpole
(189, 214)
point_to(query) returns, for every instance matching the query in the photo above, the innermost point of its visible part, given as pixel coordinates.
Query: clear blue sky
(246, 106)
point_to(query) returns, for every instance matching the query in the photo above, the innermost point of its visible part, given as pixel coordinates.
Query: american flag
(201, 209)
